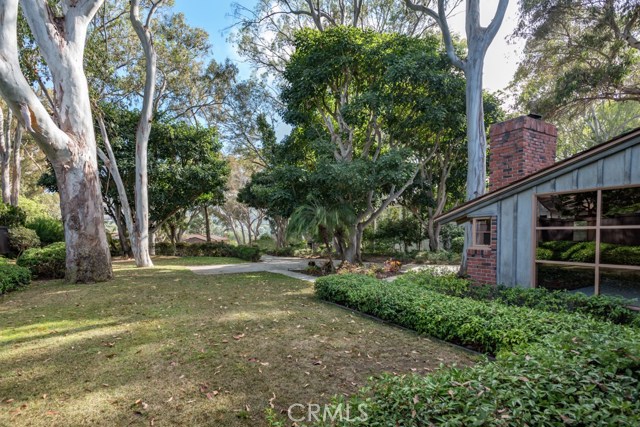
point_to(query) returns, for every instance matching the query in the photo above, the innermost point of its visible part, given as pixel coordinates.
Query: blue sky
(500, 64)
(215, 17)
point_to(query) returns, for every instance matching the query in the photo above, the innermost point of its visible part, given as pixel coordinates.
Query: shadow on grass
(166, 346)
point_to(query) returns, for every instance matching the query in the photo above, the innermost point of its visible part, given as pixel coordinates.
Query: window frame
(598, 228)
(474, 222)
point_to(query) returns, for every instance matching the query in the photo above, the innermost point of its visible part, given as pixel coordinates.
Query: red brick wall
(519, 147)
(481, 263)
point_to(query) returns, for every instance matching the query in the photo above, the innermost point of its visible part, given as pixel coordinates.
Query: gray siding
(515, 212)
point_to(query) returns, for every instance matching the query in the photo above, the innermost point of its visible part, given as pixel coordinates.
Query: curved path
(289, 266)
(271, 264)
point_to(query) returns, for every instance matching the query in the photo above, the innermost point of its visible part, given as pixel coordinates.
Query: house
(572, 225)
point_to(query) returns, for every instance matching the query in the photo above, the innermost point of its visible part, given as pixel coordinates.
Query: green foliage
(551, 368)
(49, 230)
(457, 244)
(577, 53)
(45, 263)
(486, 326)
(582, 378)
(21, 239)
(402, 230)
(214, 249)
(439, 258)
(602, 307)
(12, 277)
(185, 165)
(12, 216)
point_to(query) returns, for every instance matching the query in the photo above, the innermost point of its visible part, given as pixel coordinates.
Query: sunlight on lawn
(164, 346)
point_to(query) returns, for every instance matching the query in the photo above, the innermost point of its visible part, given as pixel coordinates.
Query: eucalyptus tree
(60, 30)
(380, 106)
(577, 53)
(267, 32)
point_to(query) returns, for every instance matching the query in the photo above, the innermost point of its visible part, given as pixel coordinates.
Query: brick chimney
(520, 147)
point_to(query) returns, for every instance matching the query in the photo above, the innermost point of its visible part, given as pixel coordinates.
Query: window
(589, 242)
(481, 233)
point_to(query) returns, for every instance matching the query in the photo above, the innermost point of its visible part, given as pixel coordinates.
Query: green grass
(163, 346)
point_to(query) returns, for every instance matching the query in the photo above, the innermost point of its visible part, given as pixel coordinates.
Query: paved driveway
(271, 264)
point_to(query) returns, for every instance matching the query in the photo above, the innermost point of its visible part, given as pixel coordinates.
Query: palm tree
(325, 221)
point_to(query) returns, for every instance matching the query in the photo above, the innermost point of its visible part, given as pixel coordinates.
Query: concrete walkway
(287, 265)
(270, 264)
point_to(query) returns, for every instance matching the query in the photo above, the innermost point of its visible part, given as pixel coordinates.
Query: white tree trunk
(16, 165)
(141, 226)
(5, 156)
(71, 146)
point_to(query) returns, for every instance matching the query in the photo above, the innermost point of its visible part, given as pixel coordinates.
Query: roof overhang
(463, 212)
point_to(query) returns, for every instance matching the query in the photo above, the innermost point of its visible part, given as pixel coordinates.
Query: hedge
(45, 263)
(21, 239)
(49, 230)
(587, 379)
(214, 249)
(552, 369)
(13, 277)
(613, 309)
(486, 326)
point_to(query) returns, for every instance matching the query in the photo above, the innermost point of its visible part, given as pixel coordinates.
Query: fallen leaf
(238, 337)
(271, 400)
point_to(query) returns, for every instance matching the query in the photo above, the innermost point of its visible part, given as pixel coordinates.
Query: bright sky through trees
(217, 16)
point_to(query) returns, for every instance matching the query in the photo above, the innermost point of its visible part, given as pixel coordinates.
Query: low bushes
(21, 239)
(49, 230)
(12, 277)
(600, 306)
(585, 379)
(45, 263)
(551, 368)
(286, 251)
(439, 258)
(214, 249)
(489, 327)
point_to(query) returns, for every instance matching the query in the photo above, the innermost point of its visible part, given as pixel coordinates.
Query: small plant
(12, 277)
(12, 216)
(21, 239)
(45, 263)
(49, 230)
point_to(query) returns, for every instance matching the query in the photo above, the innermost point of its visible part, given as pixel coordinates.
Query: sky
(216, 17)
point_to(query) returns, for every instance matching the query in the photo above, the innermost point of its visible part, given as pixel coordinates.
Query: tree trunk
(122, 232)
(5, 156)
(433, 232)
(152, 241)
(16, 165)
(207, 223)
(88, 256)
(141, 226)
(477, 146)
(353, 249)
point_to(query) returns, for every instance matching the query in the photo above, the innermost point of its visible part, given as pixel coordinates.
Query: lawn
(163, 346)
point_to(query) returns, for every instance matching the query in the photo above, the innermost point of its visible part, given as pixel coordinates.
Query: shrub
(585, 379)
(21, 239)
(457, 244)
(603, 307)
(552, 368)
(286, 251)
(45, 263)
(439, 258)
(12, 216)
(213, 249)
(49, 230)
(483, 325)
(13, 277)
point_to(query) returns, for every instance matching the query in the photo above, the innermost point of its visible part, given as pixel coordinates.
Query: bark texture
(70, 145)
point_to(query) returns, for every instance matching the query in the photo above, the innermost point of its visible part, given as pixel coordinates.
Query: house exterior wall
(515, 214)
(481, 262)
